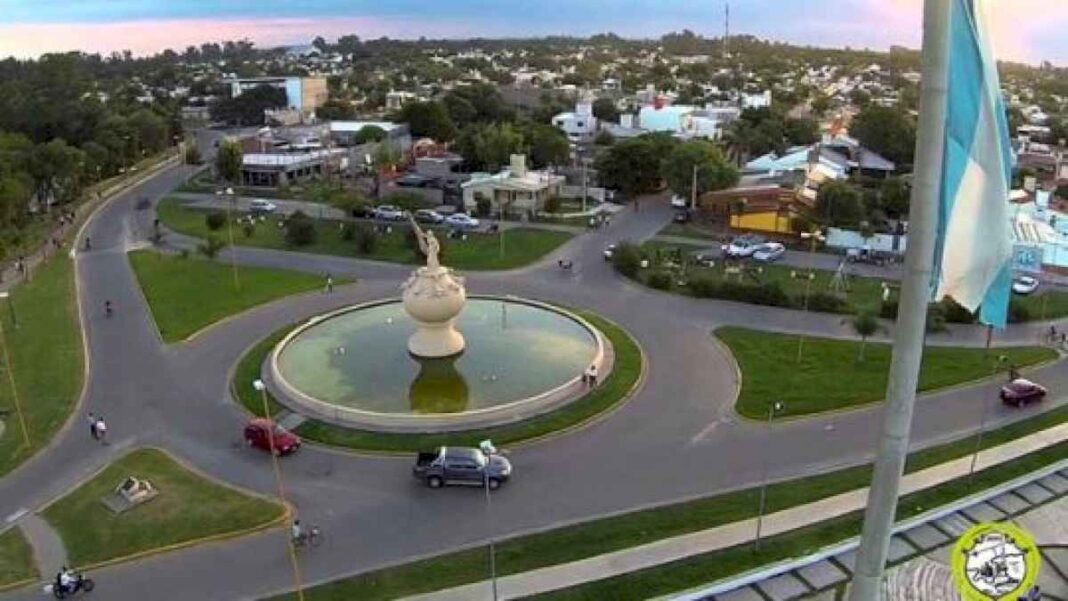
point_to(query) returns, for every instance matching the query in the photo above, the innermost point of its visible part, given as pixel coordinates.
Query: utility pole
(726, 29)
(911, 317)
(693, 189)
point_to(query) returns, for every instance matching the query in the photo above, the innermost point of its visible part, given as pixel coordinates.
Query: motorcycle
(80, 583)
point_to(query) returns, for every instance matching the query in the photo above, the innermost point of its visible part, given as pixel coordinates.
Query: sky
(1023, 30)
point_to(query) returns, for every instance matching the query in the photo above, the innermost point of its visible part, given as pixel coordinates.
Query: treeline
(62, 128)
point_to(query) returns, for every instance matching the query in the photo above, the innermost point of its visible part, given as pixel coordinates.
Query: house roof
(355, 126)
(533, 181)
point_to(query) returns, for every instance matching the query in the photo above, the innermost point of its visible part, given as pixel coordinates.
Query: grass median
(189, 507)
(479, 251)
(614, 388)
(187, 294)
(605, 535)
(16, 558)
(830, 377)
(46, 352)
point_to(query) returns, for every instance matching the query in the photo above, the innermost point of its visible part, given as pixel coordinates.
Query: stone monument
(433, 297)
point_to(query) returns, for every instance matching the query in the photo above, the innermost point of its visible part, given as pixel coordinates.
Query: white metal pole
(911, 318)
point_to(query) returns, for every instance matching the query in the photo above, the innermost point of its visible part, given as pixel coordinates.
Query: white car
(1024, 284)
(678, 202)
(742, 246)
(769, 252)
(461, 221)
(428, 216)
(609, 252)
(260, 206)
(389, 213)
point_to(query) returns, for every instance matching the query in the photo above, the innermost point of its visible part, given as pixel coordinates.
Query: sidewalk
(721, 537)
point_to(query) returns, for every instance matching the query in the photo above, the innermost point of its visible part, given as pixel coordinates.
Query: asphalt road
(677, 438)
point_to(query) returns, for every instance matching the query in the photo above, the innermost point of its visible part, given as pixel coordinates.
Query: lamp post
(230, 201)
(259, 385)
(488, 450)
(772, 410)
(814, 236)
(994, 368)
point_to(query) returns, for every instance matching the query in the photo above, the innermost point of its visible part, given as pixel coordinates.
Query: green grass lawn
(1052, 304)
(188, 294)
(830, 377)
(610, 534)
(691, 230)
(46, 349)
(16, 558)
(522, 246)
(188, 507)
(625, 373)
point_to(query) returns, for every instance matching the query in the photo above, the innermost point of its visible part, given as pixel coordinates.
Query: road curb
(278, 520)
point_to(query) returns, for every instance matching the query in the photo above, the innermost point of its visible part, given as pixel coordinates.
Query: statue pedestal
(433, 297)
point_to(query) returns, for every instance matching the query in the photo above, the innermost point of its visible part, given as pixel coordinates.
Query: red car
(1020, 392)
(256, 435)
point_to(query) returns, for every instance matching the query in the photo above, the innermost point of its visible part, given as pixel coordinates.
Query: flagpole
(912, 308)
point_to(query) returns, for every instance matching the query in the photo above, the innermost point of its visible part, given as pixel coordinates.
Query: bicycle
(310, 538)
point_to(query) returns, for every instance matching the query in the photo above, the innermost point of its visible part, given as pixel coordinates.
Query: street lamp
(230, 201)
(814, 236)
(488, 450)
(997, 365)
(772, 410)
(259, 385)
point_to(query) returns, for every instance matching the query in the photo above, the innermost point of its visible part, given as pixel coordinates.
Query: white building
(304, 94)
(580, 125)
(396, 100)
(687, 121)
(513, 190)
(756, 101)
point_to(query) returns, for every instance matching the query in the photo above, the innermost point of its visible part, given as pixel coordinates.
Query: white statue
(433, 297)
(429, 244)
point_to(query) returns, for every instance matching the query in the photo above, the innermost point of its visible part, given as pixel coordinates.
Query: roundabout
(675, 438)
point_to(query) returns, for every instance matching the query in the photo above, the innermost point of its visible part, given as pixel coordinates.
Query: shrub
(661, 280)
(955, 313)
(770, 294)
(348, 232)
(825, 302)
(627, 259)
(248, 229)
(300, 230)
(1018, 312)
(210, 247)
(214, 221)
(888, 309)
(936, 318)
(366, 240)
(192, 155)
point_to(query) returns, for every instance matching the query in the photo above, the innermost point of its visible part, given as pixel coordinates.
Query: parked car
(428, 216)
(462, 466)
(256, 435)
(390, 213)
(678, 202)
(609, 251)
(1020, 392)
(461, 221)
(742, 246)
(413, 180)
(259, 206)
(869, 256)
(363, 211)
(1025, 284)
(681, 216)
(769, 252)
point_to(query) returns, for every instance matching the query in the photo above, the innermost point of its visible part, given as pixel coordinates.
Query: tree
(801, 132)
(335, 110)
(428, 119)
(865, 324)
(548, 145)
(228, 160)
(300, 230)
(211, 246)
(489, 146)
(387, 156)
(840, 204)
(192, 155)
(605, 110)
(895, 195)
(604, 138)
(714, 171)
(247, 108)
(887, 131)
(633, 166)
(821, 104)
(627, 258)
(56, 169)
(369, 133)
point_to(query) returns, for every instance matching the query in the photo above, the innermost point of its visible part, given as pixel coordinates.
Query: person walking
(92, 426)
(591, 376)
(101, 430)
(329, 283)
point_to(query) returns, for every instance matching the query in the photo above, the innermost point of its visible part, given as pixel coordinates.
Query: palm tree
(865, 324)
(739, 138)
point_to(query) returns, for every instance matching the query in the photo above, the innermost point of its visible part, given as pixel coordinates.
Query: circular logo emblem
(995, 561)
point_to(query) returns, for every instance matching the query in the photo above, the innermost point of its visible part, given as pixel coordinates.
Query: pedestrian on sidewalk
(92, 426)
(101, 430)
(329, 283)
(591, 376)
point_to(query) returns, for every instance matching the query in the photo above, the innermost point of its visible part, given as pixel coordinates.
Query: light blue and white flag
(974, 246)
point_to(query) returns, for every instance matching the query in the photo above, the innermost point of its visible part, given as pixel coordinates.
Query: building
(687, 121)
(756, 207)
(515, 190)
(836, 157)
(580, 125)
(344, 133)
(395, 100)
(443, 167)
(303, 94)
(756, 101)
(273, 169)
